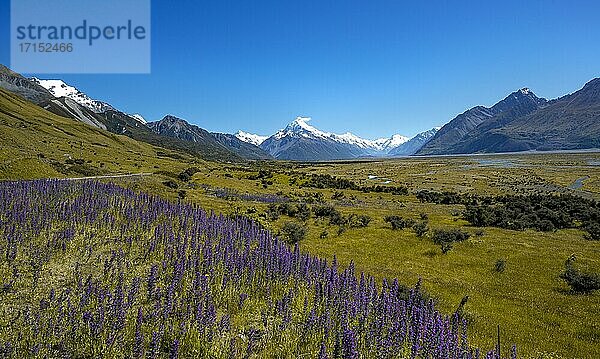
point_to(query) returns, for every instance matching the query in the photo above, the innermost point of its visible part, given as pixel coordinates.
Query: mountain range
(303, 142)
(521, 121)
(524, 122)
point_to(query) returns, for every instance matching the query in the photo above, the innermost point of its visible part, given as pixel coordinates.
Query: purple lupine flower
(323, 351)
(243, 297)
(174, 353)
(154, 346)
(201, 253)
(139, 339)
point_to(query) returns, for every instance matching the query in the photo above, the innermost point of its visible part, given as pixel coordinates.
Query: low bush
(420, 228)
(500, 266)
(337, 219)
(450, 235)
(325, 210)
(445, 197)
(579, 281)
(186, 175)
(593, 231)
(303, 212)
(293, 232)
(398, 222)
(446, 238)
(358, 221)
(171, 184)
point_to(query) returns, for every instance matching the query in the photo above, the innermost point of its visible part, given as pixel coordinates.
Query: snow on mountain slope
(251, 138)
(301, 128)
(299, 140)
(59, 88)
(139, 118)
(385, 144)
(411, 146)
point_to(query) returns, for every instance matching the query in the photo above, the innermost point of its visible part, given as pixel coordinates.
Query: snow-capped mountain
(302, 142)
(301, 128)
(59, 88)
(386, 144)
(411, 146)
(299, 140)
(139, 118)
(251, 138)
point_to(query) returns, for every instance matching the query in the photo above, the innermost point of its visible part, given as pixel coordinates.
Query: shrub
(451, 235)
(398, 222)
(74, 161)
(593, 231)
(540, 212)
(358, 221)
(500, 265)
(440, 197)
(337, 219)
(327, 181)
(324, 234)
(288, 209)
(186, 175)
(171, 184)
(545, 226)
(324, 211)
(294, 232)
(262, 174)
(303, 213)
(420, 228)
(446, 238)
(446, 247)
(578, 281)
(182, 194)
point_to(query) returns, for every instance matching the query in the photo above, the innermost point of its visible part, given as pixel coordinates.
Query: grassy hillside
(35, 143)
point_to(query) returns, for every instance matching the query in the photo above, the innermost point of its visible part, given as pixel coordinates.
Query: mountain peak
(172, 119)
(302, 121)
(525, 91)
(522, 97)
(412, 145)
(301, 124)
(139, 118)
(299, 135)
(59, 88)
(250, 138)
(300, 128)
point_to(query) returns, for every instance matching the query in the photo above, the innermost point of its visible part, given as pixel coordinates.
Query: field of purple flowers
(90, 269)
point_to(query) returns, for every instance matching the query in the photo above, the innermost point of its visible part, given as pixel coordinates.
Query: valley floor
(533, 307)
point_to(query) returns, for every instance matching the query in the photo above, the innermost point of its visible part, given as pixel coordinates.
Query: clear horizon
(370, 69)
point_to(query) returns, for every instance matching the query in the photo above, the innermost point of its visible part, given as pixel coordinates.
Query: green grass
(35, 143)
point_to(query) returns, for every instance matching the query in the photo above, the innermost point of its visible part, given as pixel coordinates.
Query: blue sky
(370, 67)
